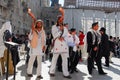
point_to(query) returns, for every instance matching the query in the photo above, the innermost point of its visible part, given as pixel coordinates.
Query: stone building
(15, 11)
(3, 11)
(49, 16)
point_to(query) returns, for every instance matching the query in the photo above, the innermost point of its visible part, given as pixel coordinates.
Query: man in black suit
(104, 45)
(93, 39)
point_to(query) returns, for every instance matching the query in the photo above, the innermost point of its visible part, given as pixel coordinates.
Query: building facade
(49, 16)
(15, 11)
(3, 12)
(82, 19)
(69, 3)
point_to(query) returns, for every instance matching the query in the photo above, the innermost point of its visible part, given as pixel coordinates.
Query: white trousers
(81, 47)
(64, 63)
(30, 64)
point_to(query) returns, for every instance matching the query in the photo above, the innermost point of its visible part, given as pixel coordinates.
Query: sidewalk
(113, 72)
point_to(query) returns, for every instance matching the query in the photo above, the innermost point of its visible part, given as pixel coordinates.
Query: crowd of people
(64, 48)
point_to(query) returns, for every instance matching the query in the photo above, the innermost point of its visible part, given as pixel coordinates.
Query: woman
(37, 45)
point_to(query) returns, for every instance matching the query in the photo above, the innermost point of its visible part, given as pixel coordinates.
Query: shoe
(59, 70)
(90, 73)
(93, 67)
(111, 62)
(40, 77)
(102, 73)
(51, 75)
(29, 75)
(106, 65)
(71, 71)
(76, 70)
(68, 77)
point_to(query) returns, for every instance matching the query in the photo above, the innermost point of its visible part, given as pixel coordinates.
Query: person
(4, 50)
(93, 40)
(104, 45)
(73, 43)
(60, 47)
(81, 44)
(48, 45)
(112, 48)
(37, 45)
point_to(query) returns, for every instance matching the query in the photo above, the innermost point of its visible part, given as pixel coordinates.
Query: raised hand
(33, 17)
(61, 11)
(31, 14)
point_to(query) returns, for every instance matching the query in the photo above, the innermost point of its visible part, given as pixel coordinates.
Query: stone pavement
(113, 72)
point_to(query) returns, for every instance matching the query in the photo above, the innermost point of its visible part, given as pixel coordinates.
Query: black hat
(72, 29)
(94, 24)
(102, 29)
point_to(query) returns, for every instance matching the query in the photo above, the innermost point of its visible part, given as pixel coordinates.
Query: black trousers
(14, 54)
(74, 60)
(93, 56)
(107, 59)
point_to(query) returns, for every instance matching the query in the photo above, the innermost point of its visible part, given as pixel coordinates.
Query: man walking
(93, 39)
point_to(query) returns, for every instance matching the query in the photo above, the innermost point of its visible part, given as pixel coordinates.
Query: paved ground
(113, 72)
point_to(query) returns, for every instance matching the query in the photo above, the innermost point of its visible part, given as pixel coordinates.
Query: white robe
(59, 46)
(38, 49)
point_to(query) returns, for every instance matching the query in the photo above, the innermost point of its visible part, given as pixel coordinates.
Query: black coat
(104, 45)
(112, 46)
(90, 44)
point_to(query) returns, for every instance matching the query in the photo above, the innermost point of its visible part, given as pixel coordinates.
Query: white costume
(5, 26)
(60, 48)
(36, 52)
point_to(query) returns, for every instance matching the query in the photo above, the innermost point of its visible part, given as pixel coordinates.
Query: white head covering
(39, 20)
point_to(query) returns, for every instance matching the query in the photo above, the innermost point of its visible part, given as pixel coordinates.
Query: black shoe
(29, 75)
(76, 70)
(51, 75)
(68, 77)
(93, 67)
(40, 77)
(111, 62)
(71, 71)
(102, 73)
(90, 73)
(106, 65)
(59, 70)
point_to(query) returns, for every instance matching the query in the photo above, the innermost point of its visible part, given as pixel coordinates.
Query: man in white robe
(59, 33)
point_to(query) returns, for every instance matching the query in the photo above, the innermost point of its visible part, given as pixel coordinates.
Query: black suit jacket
(90, 44)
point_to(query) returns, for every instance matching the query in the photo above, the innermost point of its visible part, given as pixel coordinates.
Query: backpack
(6, 36)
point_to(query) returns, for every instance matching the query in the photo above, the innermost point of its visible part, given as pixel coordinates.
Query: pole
(7, 62)
(14, 65)
(72, 19)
